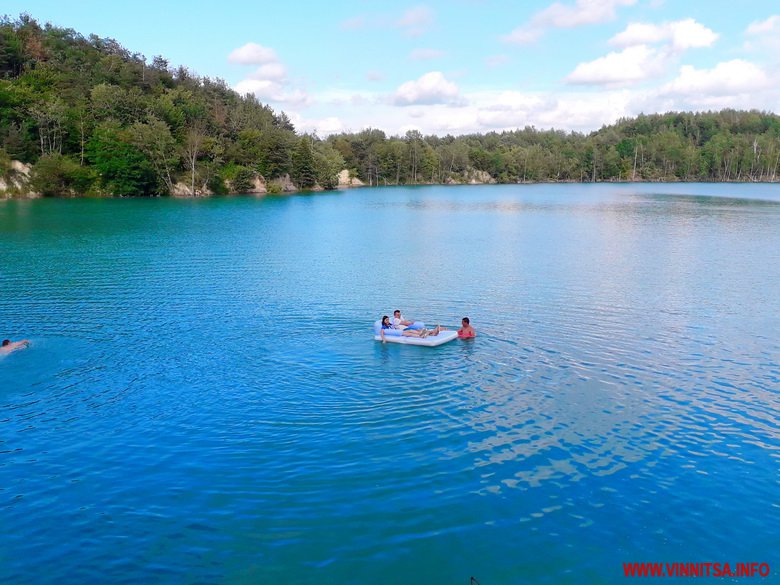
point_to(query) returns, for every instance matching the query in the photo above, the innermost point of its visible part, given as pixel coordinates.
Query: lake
(203, 401)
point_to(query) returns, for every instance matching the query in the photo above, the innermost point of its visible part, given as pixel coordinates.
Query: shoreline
(5, 196)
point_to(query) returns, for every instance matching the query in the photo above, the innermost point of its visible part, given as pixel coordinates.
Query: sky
(456, 66)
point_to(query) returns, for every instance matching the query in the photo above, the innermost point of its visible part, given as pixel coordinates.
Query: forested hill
(90, 117)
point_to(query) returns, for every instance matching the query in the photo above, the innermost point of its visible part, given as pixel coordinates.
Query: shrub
(217, 185)
(55, 175)
(5, 164)
(244, 180)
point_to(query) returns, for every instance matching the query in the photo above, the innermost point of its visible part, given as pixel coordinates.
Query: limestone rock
(345, 182)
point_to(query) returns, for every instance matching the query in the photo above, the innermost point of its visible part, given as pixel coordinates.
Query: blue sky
(457, 66)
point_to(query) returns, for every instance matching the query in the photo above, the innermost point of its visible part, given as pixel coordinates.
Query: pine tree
(304, 173)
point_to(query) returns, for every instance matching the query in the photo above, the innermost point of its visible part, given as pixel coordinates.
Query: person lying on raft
(386, 324)
(8, 346)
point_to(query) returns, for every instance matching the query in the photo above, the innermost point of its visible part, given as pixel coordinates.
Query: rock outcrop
(258, 186)
(17, 182)
(475, 177)
(183, 190)
(346, 181)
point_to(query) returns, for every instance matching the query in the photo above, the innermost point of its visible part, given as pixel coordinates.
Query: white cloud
(374, 75)
(426, 54)
(630, 65)
(416, 20)
(269, 81)
(583, 12)
(681, 34)
(762, 27)
(431, 88)
(763, 37)
(581, 112)
(270, 71)
(728, 78)
(558, 15)
(463, 112)
(271, 91)
(257, 86)
(252, 54)
(342, 97)
(508, 110)
(320, 126)
(689, 34)
(639, 33)
(639, 60)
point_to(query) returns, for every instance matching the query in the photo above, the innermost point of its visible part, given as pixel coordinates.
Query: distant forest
(92, 118)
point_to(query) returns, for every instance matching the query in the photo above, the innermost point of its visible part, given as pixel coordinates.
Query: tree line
(91, 117)
(728, 145)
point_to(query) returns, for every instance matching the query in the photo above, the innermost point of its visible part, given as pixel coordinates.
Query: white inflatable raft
(394, 336)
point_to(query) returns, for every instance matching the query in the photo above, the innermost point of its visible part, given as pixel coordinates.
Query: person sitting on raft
(399, 322)
(8, 346)
(386, 324)
(466, 331)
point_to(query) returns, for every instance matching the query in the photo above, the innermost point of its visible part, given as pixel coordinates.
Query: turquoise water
(203, 401)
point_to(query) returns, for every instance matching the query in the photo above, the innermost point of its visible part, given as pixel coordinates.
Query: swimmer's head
(6, 342)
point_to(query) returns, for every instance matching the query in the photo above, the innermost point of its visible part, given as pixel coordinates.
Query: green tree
(304, 170)
(328, 163)
(154, 139)
(56, 175)
(121, 167)
(275, 150)
(11, 53)
(244, 180)
(5, 164)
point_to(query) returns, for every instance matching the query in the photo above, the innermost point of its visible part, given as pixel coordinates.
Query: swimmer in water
(8, 346)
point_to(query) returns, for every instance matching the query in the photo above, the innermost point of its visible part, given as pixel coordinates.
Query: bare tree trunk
(192, 148)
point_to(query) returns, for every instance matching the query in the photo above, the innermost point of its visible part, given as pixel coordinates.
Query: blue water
(203, 401)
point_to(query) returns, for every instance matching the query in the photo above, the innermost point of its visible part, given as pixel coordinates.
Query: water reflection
(621, 394)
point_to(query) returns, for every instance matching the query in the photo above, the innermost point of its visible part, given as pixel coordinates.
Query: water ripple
(207, 405)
